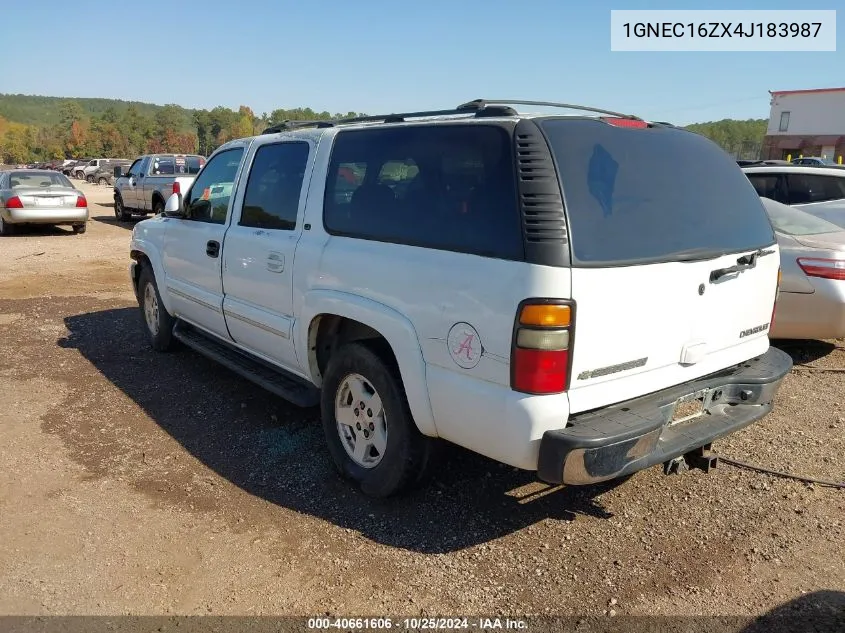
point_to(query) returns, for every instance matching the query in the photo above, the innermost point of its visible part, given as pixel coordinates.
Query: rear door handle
(212, 248)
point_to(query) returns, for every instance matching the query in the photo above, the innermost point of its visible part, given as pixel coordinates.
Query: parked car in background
(811, 301)
(97, 163)
(105, 175)
(70, 169)
(149, 183)
(40, 197)
(816, 190)
(814, 161)
(750, 163)
(79, 168)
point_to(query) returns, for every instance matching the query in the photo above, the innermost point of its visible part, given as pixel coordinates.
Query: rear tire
(89, 178)
(393, 454)
(158, 207)
(80, 228)
(102, 182)
(157, 321)
(6, 228)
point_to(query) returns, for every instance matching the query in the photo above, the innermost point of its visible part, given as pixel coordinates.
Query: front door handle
(276, 262)
(212, 248)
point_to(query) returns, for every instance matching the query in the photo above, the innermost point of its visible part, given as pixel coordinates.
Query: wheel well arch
(328, 332)
(143, 261)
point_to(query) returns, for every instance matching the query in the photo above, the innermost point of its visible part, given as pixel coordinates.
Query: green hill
(45, 111)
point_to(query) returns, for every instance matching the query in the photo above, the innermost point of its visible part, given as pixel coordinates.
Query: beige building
(806, 122)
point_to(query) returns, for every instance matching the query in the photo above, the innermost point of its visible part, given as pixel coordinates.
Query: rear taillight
(541, 343)
(81, 202)
(177, 188)
(14, 203)
(620, 122)
(824, 268)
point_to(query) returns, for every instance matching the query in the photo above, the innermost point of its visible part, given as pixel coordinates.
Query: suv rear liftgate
(674, 265)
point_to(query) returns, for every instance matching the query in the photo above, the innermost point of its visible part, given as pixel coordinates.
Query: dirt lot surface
(144, 483)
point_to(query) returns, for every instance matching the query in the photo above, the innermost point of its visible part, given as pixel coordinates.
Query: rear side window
(447, 187)
(637, 196)
(192, 164)
(806, 188)
(271, 200)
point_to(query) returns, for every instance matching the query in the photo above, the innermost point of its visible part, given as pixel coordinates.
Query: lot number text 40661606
(418, 624)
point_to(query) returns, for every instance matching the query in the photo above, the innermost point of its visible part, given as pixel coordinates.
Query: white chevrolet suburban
(583, 296)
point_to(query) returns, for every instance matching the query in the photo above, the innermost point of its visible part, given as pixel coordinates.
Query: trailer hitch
(700, 458)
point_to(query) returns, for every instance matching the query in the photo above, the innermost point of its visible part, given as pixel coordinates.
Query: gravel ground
(135, 482)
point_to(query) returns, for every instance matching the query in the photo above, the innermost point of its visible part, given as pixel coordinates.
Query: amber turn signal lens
(545, 315)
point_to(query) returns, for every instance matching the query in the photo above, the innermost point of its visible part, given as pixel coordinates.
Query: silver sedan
(40, 196)
(811, 302)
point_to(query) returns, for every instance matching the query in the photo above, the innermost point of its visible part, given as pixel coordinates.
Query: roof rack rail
(400, 117)
(283, 126)
(483, 103)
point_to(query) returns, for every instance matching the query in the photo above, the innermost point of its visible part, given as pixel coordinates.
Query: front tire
(102, 182)
(89, 178)
(120, 212)
(371, 435)
(156, 319)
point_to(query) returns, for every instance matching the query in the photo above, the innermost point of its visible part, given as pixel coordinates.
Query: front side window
(784, 122)
(448, 187)
(271, 200)
(135, 169)
(769, 186)
(208, 199)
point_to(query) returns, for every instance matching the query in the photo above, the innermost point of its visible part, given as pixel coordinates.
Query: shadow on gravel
(276, 451)
(113, 221)
(39, 230)
(817, 612)
(804, 352)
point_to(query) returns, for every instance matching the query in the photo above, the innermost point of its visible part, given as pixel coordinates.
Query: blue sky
(387, 55)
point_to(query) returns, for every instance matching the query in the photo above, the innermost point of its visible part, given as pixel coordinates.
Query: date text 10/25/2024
(417, 624)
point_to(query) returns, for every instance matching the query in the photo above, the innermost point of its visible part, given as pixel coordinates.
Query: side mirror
(173, 207)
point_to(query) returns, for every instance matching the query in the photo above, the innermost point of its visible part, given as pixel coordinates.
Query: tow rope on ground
(780, 473)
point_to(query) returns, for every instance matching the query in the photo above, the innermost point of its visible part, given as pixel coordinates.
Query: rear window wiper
(743, 263)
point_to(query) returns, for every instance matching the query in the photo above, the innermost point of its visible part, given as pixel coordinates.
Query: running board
(277, 381)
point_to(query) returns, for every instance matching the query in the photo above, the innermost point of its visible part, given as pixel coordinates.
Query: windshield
(791, 221)
(38, 179)
(636, 196)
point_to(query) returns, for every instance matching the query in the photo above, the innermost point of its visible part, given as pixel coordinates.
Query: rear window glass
(448, 187)
(792, 221)
(649, 195)
(37, 179)
(807, 188)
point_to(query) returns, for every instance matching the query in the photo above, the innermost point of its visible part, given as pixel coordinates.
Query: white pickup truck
(419, 276)
(150, 180)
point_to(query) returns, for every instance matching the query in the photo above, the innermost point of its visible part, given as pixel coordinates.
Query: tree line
(46, 128)
(126, 132)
